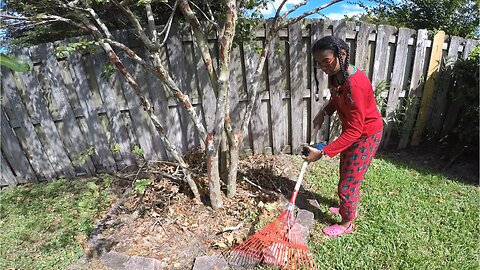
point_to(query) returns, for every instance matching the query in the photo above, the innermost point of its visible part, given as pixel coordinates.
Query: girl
(353, 99)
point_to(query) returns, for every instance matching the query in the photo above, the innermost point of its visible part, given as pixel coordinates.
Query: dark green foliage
(457, 17)
(466, 72)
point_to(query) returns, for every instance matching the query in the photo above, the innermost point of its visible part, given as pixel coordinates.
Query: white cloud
(273, 6)
(349, 10)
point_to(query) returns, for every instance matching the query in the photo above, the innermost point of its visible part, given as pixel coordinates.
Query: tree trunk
(224, 157)
(233, 168)
(213, 173)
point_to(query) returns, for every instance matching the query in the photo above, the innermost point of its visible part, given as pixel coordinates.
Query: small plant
(137, 150)
(141, 184)
(116, 148)
(81, 158)
(108, 71)
(83, 46)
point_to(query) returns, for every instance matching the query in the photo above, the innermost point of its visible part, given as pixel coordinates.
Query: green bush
(466, 72)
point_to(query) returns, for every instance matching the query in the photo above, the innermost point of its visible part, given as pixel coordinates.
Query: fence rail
(65, 118)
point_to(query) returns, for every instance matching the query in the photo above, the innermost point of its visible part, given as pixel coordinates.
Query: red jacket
(358, 119)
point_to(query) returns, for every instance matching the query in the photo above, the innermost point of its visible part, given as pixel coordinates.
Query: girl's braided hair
(336, 45)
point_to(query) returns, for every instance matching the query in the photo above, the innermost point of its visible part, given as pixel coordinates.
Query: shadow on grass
(425, 159)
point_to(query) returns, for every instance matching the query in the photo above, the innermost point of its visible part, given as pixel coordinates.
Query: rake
(280, 242)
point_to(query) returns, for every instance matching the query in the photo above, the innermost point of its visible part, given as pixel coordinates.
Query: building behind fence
(68, 118)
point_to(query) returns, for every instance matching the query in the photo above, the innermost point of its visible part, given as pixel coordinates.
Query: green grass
(40, 223)
(409, 218)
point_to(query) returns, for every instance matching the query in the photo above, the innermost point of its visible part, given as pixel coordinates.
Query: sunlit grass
(42, 224)
(409, 218)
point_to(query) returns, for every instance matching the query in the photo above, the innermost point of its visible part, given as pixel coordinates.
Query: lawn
(410, 218)
(44, 224)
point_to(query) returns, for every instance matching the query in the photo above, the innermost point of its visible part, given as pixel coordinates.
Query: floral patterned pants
(354, 162)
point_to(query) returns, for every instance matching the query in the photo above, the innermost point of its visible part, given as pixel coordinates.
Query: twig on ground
(257, 186)
(231, 229)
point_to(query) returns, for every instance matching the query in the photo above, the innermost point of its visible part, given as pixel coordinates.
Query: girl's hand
(312, 154)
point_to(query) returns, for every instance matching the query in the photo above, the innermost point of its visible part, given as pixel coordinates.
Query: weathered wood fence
(65, 119)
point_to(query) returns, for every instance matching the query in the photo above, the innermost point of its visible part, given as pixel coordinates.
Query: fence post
(430, 84)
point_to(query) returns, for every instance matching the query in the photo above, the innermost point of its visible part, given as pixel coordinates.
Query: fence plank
(180, 127)
(72, 137)
(158, 95)
(258, 124)
(397, 82)
(432, 75)
(54, 147)
(13, 152)
(205, 89)
(319, 29)
(340, 30)
(7, 177)
(276, 70)
(138, 122)
(380, 66)
(362, 60)
(237, 108)
(416, 87)
(108, 95)
(32, 144)
(440, 104)
(95, 134)
(297, 85)
(192, 135)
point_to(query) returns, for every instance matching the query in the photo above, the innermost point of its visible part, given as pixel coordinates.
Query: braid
(317, 97)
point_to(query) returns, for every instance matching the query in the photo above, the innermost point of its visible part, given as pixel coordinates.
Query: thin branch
(138, 27)
(6, 16)
(170, 84)
(100, 23)
(201, 41)
(299, 18)
(33, 21)
(293, 9)
(166, 29)
(151, 22)
(280, 8)
(210, 20)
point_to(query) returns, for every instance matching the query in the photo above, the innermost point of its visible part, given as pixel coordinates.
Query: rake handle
(302, 171)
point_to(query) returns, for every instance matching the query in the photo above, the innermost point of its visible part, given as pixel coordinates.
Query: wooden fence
(65, 119)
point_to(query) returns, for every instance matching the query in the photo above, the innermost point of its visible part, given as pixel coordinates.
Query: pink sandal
(337, 230)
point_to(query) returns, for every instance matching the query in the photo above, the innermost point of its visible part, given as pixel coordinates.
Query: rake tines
(279, 243)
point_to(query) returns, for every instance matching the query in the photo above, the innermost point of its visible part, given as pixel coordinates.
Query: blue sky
(334, 12)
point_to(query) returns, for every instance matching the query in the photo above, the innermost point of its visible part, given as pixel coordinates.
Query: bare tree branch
(211, 19)
(299, 18)
(201, 41)
(170, 84)
(138, 27)
(166, 29)
(99, 22)
(151, 23)
(293, 9)
(280, 8)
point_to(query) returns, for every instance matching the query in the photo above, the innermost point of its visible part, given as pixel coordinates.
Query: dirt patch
(165, 224)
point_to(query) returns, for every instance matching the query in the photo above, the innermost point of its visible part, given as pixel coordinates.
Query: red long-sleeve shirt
(358, 119)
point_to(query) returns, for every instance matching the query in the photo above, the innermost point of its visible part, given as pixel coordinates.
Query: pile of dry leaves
(164, 223)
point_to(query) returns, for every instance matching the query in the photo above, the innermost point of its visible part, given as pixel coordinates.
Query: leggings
(354, 163)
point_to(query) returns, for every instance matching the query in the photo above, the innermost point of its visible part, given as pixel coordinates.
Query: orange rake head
(279, 243)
